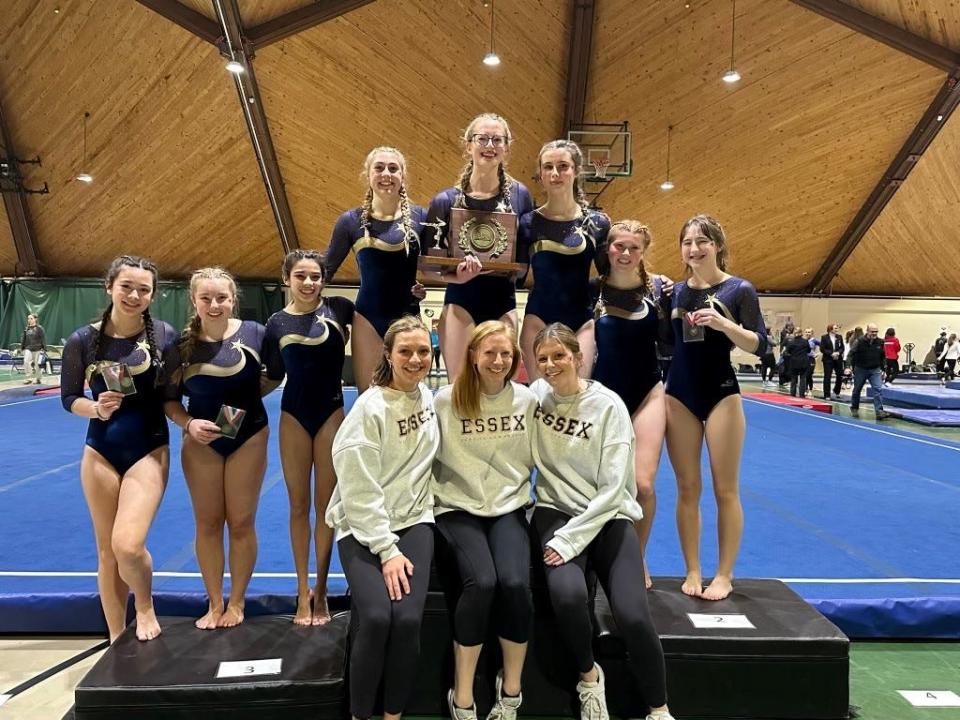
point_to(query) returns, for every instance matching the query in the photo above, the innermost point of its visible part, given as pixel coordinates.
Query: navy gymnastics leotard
(138, 426)
(388, 266)
(560, 253)
(485, 297)
(309, 348)
(226, 372)
(701, 374)
(628, 324)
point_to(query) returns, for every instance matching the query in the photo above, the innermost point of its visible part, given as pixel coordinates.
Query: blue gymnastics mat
(930, 418)
(934, 397)
(858, 519)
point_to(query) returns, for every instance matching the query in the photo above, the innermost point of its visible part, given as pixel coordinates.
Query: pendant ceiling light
(83, 175)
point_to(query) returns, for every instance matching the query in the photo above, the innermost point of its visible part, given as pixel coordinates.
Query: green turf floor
(879, 670)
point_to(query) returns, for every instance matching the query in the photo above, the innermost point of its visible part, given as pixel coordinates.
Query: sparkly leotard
(560, 253)
(701, 374)
(387, 264)
(309, 349)
(138, 426)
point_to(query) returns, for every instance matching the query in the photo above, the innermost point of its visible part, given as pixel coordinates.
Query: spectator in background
(866, 356)
(831, 354)
(949, 356)
(33, 342)
(891, 354)
(785, 335)
(768, 362)
(813, 346)
(796, 360)
(938, 348)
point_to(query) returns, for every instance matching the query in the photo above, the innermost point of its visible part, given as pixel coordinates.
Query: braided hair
(113, 271)
(188, 340)
(366, 209)
(506, 182)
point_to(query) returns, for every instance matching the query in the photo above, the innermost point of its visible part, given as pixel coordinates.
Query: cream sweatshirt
(383, 456)
(484, 463)
(584, 450)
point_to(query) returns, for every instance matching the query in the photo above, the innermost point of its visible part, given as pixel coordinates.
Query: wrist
(186, 425)
(96, 409)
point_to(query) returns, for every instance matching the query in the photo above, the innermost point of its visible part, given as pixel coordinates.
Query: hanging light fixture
(84, 176)
(235, 67)
(667, 184)
(491, 58)
(731, 76)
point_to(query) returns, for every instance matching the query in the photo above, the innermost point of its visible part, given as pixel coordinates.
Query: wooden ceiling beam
(578, 63)
(299, 20)
(896, 37)
(18, 214)
(238, 48)
(201, 26)
(935, 118)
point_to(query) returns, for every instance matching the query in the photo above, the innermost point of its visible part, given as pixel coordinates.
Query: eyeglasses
(491, 140)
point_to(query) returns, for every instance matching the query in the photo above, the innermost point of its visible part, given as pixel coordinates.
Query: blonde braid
(406, 219)
(188, 340)
(506, 187)
(463, 183)
(365, 211)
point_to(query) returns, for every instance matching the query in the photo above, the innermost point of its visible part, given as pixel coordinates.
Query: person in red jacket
(891, 354)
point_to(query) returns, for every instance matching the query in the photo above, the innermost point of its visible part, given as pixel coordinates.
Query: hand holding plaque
(491, 237)
(691, 331)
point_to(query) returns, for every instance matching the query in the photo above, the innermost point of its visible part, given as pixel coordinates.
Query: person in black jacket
(34, 345)
(831, 350)
(796, 360)
(867, 358)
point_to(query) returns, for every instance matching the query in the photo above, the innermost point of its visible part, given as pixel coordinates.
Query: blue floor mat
(934, 397)
(854, 516)
(931, 418)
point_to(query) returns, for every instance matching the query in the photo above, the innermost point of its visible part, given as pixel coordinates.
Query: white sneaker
(458, 713)
(506, 707)
(593, 698)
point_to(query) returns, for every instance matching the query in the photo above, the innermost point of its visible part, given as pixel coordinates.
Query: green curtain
(63, 305)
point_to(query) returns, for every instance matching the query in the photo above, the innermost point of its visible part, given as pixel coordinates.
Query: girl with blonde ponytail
(628, 324)
(224, 451)
(384, 234)
(559, 240)
(472, 298)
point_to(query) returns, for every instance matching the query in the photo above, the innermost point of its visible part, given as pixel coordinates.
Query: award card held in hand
(117, 377)
(229, 420)
(491, 237)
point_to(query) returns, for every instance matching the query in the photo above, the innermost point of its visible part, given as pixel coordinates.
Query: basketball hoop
(600, 165)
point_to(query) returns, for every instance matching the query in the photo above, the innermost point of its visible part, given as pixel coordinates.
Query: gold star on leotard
(582, 232)
(502, 207)
(145, 346)
(711, 299)
(237, 345)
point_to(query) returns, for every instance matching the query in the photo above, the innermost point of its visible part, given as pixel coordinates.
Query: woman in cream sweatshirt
(481, 489)
(586, 505)
(382, 510)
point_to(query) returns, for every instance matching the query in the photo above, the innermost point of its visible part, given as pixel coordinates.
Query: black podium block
(174, 676)
(792, 665)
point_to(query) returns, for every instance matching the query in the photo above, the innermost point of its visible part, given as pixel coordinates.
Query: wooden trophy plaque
(490, 236)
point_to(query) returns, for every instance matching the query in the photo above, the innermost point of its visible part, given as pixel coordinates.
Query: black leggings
(386, 634)
(892, 368)
(616, 558)
(493, 556)
(768, 366)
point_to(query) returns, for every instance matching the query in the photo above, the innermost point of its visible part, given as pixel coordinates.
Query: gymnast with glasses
(471, 297)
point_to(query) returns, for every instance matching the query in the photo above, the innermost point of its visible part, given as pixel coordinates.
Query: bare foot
(719, 588)
(693, 585)
(302, 616)
(647, 580)
(231, 617)
(210, 620)
(321, 613)
(147, 626)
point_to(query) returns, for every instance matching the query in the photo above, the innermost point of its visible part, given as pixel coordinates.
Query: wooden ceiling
(785, 158)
